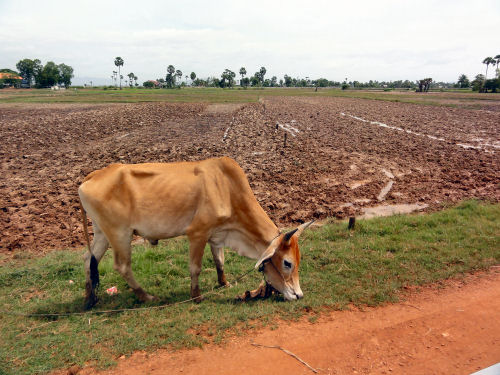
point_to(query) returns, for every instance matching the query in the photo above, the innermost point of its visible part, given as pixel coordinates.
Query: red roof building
(9, 76)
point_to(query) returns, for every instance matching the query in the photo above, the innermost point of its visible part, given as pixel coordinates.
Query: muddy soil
(339, 155)
(449, 328)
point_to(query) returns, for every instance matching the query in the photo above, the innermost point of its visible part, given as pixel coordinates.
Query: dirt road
(452, 328)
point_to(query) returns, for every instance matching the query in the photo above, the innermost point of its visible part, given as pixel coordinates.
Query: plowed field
(341, 155)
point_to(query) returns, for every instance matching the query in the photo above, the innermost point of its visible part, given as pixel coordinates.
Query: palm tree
(243, 72)
(497, 58)
(178, 73)
(488, 61)
(170, 76)
(262, 73)
(119, 63)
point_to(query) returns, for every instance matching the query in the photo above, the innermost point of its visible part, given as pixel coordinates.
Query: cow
(210, 201)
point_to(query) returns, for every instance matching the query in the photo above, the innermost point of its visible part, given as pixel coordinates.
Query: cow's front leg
(196, 249)
(218, 254)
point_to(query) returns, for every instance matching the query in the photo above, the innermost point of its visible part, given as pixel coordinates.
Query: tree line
(481, 82)
(35, 73)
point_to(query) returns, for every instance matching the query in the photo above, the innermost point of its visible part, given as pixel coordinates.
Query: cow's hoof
(150, 298)
(143, 296)
(198, 299)
(224, 285)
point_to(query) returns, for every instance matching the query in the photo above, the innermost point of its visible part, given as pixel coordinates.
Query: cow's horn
(289, 235)
(304, 226)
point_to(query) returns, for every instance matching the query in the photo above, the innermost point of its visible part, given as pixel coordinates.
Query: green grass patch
(217, 95)
(366, 267)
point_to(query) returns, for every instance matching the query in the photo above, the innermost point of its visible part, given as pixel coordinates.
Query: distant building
(10, 79)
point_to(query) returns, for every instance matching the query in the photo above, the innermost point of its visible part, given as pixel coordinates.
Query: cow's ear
(271, 249)
(302, 227)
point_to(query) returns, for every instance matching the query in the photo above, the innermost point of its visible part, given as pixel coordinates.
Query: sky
(382, 40)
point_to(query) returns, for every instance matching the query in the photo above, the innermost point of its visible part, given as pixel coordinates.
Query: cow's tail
(94, 272)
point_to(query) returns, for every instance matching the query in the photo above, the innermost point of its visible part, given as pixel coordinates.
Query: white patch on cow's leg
(218, 254)
(122, 252)
(100, 243)
(196, 249)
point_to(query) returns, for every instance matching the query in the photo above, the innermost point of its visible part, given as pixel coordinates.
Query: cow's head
(280, 263)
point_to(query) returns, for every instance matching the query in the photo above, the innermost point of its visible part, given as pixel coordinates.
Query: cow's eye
(287, 264)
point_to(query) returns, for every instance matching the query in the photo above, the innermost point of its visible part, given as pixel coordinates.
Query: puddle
(387, 173)
(388, 210)
(482, 146)
(289, 128)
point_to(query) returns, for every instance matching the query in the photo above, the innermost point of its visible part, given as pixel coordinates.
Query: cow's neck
(251, 233)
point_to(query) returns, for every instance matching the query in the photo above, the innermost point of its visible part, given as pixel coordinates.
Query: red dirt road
(450, 330)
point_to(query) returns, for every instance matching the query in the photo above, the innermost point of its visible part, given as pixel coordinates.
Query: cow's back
(162, 200)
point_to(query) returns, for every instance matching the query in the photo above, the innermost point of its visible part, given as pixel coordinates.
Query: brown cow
(209, 201)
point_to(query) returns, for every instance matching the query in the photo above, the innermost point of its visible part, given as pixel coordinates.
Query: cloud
(362, 40)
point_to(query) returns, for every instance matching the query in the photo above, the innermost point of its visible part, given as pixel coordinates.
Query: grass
(236, 95)
(366, 267)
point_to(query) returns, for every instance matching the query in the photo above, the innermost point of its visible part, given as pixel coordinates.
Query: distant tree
(262, 73)
(119, 63)
(148, 84)
(193, 76)
(178, 73)
(321, 82)
(28, 69)
(424, 84)
(487, 61)
(243, 72)
(288, 80)
(6, 70)
(65, 74)
(170, 78)
(497, 60)
(478, 83)
(131, 78)
(48, 76)
(227, 78)
(463, 81)
(162, 83)
(245, 82)
(492, 84)
(200, 82)
(255, 79)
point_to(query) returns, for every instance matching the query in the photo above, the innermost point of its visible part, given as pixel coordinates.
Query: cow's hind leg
(218, 254)
(122, 251)
(91, 260)
(196, 249)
